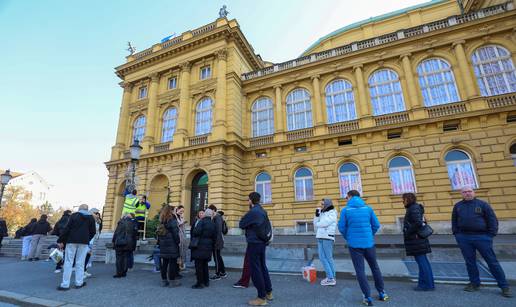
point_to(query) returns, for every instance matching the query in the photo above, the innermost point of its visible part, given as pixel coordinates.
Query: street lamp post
(135, 150)
(4, 179)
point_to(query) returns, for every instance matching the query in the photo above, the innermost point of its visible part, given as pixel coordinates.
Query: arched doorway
(199, 199)
(158, 194)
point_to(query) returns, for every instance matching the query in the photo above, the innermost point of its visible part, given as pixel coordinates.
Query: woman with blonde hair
(168, 238)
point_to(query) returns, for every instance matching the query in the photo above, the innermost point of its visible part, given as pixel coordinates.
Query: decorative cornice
(458, 42)
(186, 66)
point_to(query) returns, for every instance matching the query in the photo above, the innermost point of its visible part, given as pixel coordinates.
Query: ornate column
(149, 138)
(413, 101)
(219, 116)
(123, 122)
(465, 71)
(279, 115)
(183, 115)
(318, 106)
(362, 105)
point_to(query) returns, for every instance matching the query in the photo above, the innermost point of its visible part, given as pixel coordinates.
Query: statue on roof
(223, 13)
(130, 48)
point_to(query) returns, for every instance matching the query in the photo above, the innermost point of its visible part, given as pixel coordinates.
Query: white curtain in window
(494, 70)
(461, 174)
(262, 117)
(139, 128)
(203, 116)
(303, 185)
(263, 186)
(340, 103)
(349, 181)
(386, 93)
(299, 110)
(437, 82)
(402, 180)
(169, 125)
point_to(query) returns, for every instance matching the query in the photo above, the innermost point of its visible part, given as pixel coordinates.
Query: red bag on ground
(309, 272)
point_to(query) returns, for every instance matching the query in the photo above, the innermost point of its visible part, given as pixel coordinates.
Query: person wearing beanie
(325, 224)
(203, 239)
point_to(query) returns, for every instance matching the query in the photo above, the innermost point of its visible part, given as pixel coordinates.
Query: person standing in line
(243, 282)
(168, 237)
(130, 255)
(183, 244)
(39, 232)
(220, 269)
(325, 224)
(27, 238)
(125, 236)
(358, 225)
(58, 229)
(76, 235)
(203, 240)
(3, 230)
(88, 262)
(474, 225)
(254, 224)
(415, 245)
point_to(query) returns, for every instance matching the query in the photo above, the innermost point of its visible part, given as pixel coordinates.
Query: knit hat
(208, 213)
(326, 204)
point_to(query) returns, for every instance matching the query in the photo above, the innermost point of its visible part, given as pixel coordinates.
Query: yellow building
(422, 99)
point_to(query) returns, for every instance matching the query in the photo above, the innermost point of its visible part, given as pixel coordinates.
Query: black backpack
(265, 231)
(224, 227)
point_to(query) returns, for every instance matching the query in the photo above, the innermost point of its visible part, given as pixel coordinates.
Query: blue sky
(60, 98)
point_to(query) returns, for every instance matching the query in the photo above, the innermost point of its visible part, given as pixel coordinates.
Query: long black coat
(169, 243)
(129, 229)
(219, 242)
(207, 234)
(414, 245)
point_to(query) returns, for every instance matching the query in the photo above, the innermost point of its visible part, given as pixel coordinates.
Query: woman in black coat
(168, 237)
(415, 245)
(202, 243)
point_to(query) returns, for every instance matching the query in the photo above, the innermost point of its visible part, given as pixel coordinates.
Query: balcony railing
(198, 140)
(447, 109)
(502, 100)
(261, 140)
(384, 39)
(390, 119)
(162, 147)
(300, 134)
(342, 127)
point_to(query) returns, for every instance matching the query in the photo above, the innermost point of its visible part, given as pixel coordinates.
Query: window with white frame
(169, 125)
(340, 102)
(494, 70)
(437, 82)
(203, 116)
(139, 128)
(349, 179)
(262, 115)
(142, 92)
(205, 72)
(303, 184)
(263, 186)
(172, 83)
(460, 170)
(299, 110)
(512, 150)
(401, 175)
(386, 93)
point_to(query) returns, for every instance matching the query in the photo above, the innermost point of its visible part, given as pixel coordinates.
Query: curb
(31, 301)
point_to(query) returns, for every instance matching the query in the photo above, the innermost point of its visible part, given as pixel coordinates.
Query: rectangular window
(172, 83)
(142, 93)
(344, 142)
(205, 72)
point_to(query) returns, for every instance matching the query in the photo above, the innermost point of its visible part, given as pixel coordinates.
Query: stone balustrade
(447, 109)
(342, 127)
(389, 119)
(198, 140)
(502, 100)
(300, 134)
(162, 147)
(261, 140)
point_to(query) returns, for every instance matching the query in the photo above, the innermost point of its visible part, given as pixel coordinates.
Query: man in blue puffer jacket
(358, 224)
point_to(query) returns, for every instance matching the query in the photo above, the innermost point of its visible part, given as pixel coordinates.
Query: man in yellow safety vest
(130, 203)
(141, 209)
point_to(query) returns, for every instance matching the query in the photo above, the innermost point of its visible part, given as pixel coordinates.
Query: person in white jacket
(325, 223)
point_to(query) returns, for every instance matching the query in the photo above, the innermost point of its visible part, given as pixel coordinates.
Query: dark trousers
(469, 245)
(426, 276)
(259, 271)
(220, 269)
(173, 268)
(1, 239)
(357, 257)
(246, 272)
(201, 272)
(130, 259)
(121, 262)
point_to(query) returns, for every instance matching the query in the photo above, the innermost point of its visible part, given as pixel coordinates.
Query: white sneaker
(86, 274)
(328, 282)
(324, 281)
(57, 271)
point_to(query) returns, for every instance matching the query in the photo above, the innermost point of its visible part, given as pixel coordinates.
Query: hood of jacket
(84, 212)
(356, 202)
(327, 205)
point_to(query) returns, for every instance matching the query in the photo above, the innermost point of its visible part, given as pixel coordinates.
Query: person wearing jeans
(325, 223)
(474, 225)
(358, 224)
(39, 232)
(27, 238)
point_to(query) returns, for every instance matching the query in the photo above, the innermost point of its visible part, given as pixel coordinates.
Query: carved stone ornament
(185, 66)
(154, 77)
(221, 54)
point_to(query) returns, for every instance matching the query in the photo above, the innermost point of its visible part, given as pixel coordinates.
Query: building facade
(39, 191)
(419, 100)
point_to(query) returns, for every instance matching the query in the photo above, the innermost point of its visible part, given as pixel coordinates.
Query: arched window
(349, 179)
(203, 116)
(169, 125)
(386, 94)
(401, 175)
(437, 82)
(139, 128)
(340, 103)
(299, 110)
(494, 70)
(460, 170)
(303, 184)
(263, 186)
(262, 117)
(512, 150)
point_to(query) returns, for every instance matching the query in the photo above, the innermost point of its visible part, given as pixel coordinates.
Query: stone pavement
(141, 288)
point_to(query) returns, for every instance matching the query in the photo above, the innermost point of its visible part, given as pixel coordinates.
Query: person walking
(358, 225)
(58, 229)
(125, 236)
(325, 224)
(474, 225)
(76, 235)
(220, 269)
(3, 230)
(39, 232)
(202, 243)
(27, 238)
(254, 224)
(415, 245)
(168, 237)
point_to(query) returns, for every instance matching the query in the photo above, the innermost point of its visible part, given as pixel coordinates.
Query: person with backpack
(325, 224)
(202, 242)
(39, 231)
(220, 269)
(26, 233)
(124, 238)
(58, 229)
(258, 233)
(168, 238)
(358, 225)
